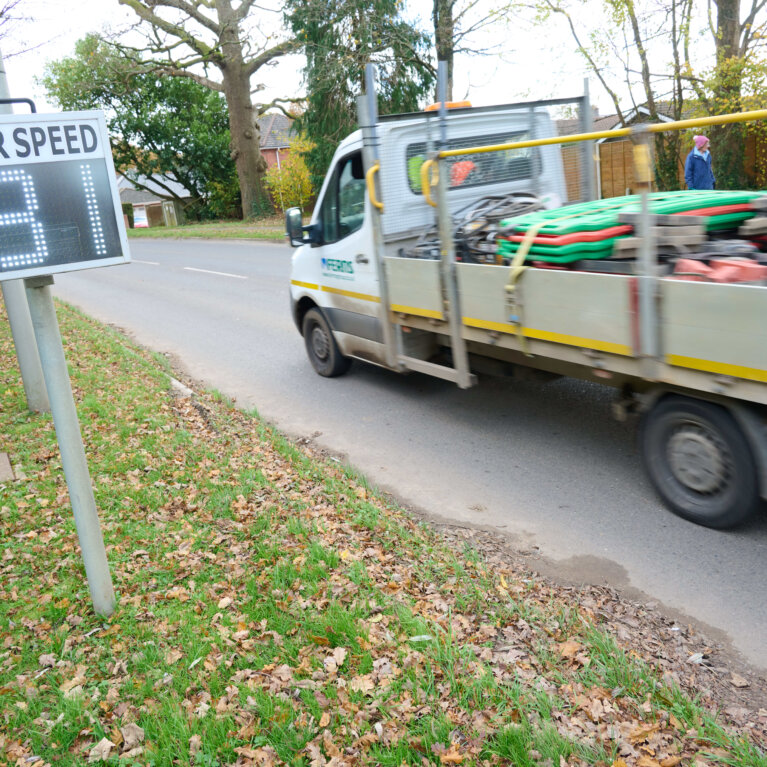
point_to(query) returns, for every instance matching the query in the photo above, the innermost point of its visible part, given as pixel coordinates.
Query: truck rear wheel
(699, 462)
(321, 347)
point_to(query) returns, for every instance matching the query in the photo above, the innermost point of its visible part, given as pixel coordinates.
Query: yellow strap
(371, 186)
(426, 183)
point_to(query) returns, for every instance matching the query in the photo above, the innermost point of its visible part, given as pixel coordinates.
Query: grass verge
(273, 609)
(272, 228)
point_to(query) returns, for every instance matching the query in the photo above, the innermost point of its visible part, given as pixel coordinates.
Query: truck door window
(479, 169)
(343, 208)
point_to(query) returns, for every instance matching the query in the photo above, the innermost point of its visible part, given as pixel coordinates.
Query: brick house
(276, 134)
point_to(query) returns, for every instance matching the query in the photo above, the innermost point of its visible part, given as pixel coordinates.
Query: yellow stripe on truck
(350, 294)
(430, 313)
(336, 291)
(557, 338)
(722, 368)
(309, 285)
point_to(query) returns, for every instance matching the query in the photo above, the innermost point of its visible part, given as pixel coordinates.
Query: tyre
(321, 347)
(699, 462)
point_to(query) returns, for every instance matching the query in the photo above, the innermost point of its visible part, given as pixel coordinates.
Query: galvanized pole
(367, 114)
(648, 262)
(588, 148)
(18, 314)
(457, 342)
(536, 165)
(54, 365)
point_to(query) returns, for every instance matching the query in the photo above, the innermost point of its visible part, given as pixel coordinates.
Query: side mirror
(293, 229)
(299, 234)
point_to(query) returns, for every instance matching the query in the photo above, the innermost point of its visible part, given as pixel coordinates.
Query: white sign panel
(59, 205)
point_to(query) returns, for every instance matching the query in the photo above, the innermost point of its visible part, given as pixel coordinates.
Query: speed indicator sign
(59, 205)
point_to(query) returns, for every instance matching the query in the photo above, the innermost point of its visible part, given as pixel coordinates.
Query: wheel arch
(300, 308)
(752, 420)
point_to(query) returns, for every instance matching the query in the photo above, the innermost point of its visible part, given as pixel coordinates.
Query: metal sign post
(70, 440)
(59, 212)
(15, 300)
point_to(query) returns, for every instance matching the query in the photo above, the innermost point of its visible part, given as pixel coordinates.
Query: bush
(290, 184)
(223, 199)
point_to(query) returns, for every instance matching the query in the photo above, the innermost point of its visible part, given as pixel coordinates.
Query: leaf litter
(273, 609)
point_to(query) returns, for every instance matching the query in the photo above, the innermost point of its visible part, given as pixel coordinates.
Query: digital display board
(59, 205)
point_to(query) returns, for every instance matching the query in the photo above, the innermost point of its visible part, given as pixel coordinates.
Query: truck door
(347, 265)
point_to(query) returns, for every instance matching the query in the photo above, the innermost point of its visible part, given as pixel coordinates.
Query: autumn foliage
(290, 182)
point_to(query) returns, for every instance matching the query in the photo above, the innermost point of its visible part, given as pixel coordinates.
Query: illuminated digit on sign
(24, 218)
(97, 228)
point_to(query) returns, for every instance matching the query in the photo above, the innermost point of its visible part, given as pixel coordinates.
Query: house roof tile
(276, 130)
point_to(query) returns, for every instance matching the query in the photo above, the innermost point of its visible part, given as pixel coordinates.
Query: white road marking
(139, 261)
(220, 274)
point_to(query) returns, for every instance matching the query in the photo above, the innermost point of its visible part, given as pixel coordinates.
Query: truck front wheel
(699, 462)
(321, 347)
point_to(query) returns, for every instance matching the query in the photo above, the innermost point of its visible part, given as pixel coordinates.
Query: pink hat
(700, 141)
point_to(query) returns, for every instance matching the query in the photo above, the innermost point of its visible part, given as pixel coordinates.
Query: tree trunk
(442, 17)
(728, 141)
(246, 149)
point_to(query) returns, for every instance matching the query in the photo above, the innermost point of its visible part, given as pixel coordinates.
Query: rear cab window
(482, 169)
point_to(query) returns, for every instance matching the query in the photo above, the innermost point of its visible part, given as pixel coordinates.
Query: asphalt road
(543, 464)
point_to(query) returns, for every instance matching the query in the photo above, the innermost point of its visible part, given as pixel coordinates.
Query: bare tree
(456, 24)
(738, 32)
(11, 13)
(189, 38)
(8, 14)
(632, 34)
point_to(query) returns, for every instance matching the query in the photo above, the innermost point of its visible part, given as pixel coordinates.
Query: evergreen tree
(338, 41)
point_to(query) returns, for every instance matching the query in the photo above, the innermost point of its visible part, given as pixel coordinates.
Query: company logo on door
(336, 267)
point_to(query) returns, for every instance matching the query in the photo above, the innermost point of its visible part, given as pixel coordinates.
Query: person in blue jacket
(697, 168)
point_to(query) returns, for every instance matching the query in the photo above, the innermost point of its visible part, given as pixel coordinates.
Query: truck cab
(334, 269)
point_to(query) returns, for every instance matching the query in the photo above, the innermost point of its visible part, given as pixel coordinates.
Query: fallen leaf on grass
(362, 683)
(569, 648)
(133, 735)
(262, 756)
(70, 684)
(116, 736)
(100, 752)
(640, 734)
(173, 656)
(448, 755)
(195, 744)
(331, 749)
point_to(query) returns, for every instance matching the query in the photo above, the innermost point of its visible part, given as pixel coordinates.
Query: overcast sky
(56, 25)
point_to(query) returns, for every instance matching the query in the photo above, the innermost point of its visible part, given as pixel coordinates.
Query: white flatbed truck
(690, 357)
